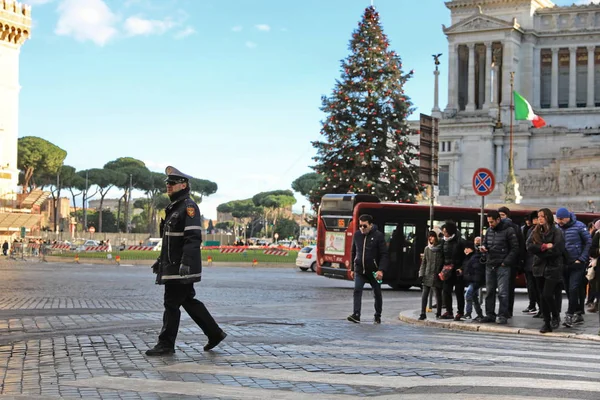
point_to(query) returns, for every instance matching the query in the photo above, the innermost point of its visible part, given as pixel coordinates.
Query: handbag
(446, 272)
(591, 273)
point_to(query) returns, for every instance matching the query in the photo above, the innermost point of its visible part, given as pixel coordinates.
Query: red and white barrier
(96, 248)
(275, 252)
(227, 251)
(143, 248)
(61, 246)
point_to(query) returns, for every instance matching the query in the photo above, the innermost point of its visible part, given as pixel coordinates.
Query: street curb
(103, 261)
(409, 317)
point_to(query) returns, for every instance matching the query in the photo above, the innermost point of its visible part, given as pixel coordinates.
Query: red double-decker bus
(405, 227)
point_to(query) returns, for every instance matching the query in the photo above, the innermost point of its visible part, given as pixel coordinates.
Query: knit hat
(533, 215)
(563, 213)
(597, 225)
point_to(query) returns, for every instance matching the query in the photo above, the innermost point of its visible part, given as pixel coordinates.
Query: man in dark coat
(369, 262)
(501, 248)
(180, 265)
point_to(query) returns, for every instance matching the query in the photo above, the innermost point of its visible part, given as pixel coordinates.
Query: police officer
(180, 265)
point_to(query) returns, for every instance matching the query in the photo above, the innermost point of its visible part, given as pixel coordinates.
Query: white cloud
(263, 27)
(237, 28)
(86, 20)
(38, 2)
(251, 45)
(140, 26)
(185, 33)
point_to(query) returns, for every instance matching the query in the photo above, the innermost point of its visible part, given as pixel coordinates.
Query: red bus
(405, 227)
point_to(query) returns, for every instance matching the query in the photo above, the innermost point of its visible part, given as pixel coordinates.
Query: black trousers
(511, 290)
(458, 284)
(547, 289)
(182, 295)
(532, 290)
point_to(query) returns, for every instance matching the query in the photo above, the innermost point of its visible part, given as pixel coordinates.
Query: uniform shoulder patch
(191, 211)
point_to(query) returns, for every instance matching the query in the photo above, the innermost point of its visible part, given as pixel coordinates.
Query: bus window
(467, 229)
(388, 231)
(392, 235)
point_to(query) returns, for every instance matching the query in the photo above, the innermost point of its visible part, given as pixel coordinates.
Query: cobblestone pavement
(80, 331)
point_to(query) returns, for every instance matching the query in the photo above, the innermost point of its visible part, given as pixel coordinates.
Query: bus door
(403, 251)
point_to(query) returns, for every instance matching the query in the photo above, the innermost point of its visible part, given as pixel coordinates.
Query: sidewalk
(522, 324)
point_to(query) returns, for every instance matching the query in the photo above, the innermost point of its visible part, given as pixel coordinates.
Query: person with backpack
(577, 251)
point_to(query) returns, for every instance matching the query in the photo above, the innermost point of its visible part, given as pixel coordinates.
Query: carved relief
(566, 182)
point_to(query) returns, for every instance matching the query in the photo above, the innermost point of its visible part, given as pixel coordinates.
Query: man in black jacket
(369, 262)
(519, 265)
(180, 265)
(501, 248)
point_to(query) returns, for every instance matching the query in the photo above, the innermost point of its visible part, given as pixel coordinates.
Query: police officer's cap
(176, 176)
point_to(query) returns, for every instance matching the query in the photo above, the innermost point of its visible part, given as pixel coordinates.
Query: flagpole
(510, 189)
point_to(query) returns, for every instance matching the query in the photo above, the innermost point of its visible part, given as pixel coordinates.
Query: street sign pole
(481, 217)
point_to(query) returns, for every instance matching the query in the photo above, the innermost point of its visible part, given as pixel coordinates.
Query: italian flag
(524, 112)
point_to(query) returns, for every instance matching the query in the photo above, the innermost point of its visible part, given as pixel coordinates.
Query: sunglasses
(363, 226)
(172, 183)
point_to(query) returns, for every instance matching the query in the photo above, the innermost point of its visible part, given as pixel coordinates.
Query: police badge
(191, 212)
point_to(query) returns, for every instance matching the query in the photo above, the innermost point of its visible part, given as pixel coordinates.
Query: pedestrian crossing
(416, 363)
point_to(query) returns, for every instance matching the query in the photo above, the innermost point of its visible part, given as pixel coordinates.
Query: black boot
(160, 350)
(213, 342)
(546, 328)
(422, 317)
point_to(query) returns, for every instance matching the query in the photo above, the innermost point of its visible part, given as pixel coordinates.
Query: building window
(445, 146)
(444, 180)
(563, 78)
(545, 78)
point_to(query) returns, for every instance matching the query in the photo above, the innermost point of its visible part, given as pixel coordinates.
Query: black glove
(184, 270)
(156, 267)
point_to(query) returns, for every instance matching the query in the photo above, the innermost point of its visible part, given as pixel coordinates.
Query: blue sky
(225, 90)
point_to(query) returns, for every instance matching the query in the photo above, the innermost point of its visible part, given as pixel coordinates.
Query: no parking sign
(483, 182)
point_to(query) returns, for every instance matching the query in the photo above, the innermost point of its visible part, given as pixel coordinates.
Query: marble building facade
(554, 53)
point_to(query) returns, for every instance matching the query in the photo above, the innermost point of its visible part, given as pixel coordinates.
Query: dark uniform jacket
(369, 252)
(548, 262)
(454, 252)
(502, 246)
(181, 238)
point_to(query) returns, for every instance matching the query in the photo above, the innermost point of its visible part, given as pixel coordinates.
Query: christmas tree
(365, 147)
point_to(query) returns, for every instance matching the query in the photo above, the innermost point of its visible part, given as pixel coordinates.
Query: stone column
(471, 83)
(456, 178)
(554, 89)
(537, 77)
(488, 75)
(452, 77)
(572, 77)
(435, 112)
(591, 94)
(498, 171)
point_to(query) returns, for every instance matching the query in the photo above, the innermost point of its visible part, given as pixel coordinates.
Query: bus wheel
(397, 286)
(313, 266)
(303, 269)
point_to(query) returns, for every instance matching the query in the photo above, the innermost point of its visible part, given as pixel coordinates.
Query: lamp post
(511, 186)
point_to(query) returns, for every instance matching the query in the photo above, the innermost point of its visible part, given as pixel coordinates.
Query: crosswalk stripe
(198, 389)
(383, 381)
(337, 362)
(462, 355)
(526, 351)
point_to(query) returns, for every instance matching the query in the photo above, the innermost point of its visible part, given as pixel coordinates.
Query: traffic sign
(483, 182)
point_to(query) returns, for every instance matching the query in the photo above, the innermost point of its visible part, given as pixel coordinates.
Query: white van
(156, 243)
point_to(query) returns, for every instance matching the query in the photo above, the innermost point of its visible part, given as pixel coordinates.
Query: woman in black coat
(547, 244)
